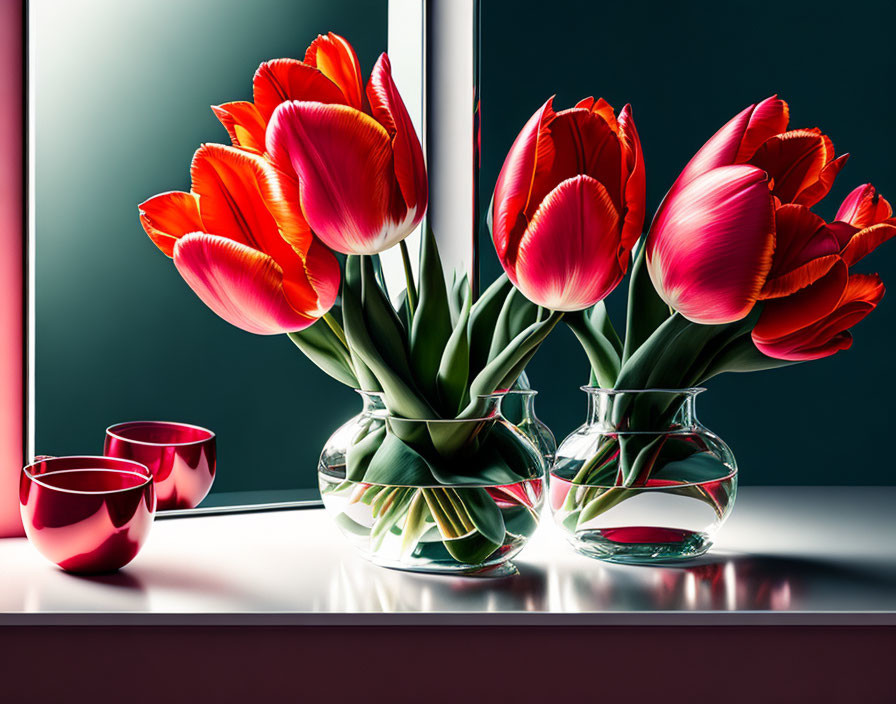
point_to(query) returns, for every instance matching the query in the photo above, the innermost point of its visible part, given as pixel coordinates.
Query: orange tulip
(240, 242)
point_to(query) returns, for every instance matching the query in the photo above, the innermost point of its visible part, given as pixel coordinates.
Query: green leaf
(699, 467)
(320, 344)
(455, 365)
(472, 549)
(360, 452)
(517, 313)
(400, 398)
(646, 310)
(483, 319)
(393, 513)
(601, 352)
(497, 370)
(385, 328)
(351, 526)
(397, 464)
(415, 525)
(484, 512)
(599, 320)
(741, 355)
(432, 319)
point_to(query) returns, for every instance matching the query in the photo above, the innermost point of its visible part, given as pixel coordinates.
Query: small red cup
(87, 514)
(181, 458)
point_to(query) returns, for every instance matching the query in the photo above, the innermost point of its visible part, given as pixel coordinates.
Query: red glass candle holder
(87, 514)
(181, 458)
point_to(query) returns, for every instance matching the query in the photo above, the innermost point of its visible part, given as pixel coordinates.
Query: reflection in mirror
(119, 101)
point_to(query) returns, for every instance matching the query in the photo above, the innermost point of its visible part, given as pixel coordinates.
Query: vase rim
(690, 390)
(497, 395)
(521, 392)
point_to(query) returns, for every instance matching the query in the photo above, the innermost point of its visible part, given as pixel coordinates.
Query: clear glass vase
(518, 407)
(445, 496)
(642, 480)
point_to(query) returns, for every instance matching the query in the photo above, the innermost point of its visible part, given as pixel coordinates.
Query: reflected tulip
(811, 317)
(239, 241)
(800, 163)
(359, 165)
(569, 204)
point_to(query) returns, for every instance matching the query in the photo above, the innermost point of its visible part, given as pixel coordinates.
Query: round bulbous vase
(443, 496)
(518, 407)
(642, 480)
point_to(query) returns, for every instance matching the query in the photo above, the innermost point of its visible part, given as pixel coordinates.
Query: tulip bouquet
(736, 273)
(280, 233)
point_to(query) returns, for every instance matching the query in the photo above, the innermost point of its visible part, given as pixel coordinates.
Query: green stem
(408, 276)
(334, 325)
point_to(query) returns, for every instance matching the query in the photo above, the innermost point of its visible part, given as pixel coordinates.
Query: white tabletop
(818, 555)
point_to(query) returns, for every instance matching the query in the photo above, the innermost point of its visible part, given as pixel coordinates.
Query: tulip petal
(567, 257)
(805, 250)
(634, 179)
(866, 241)
(580, 142)
(770, 117)
(287, 79)
(336, 59)
(514, 186)
(389, 110)
(864, 207)
(240, 284)
(830, 334)
(234, 188)
(783, 316)
(738, 139)
(243, 123)
(797, 164)
(340, 156)
(818, 190)
(710, 248)
(168, 217)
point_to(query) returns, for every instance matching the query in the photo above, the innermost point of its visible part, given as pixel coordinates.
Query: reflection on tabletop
(775, 554)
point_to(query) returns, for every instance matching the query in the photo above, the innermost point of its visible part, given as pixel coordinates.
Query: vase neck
(374, 404)
(650, 410)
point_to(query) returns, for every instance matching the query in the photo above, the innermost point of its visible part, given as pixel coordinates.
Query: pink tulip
(359, 162)
(718, 274)
(569, 204)
(710, 247)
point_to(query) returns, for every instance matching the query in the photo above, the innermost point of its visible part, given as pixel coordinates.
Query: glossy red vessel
(87, 514)
(181, 458)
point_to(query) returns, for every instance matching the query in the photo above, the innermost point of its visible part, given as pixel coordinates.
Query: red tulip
(717, 274)
(710, 246)
(240, 242)
(330, 73)
(800, 163)
(810, 318)
(360, 165)
(569, 204)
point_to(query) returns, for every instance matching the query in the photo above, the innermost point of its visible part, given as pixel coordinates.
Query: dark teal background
(122, 93)
(686, 68)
